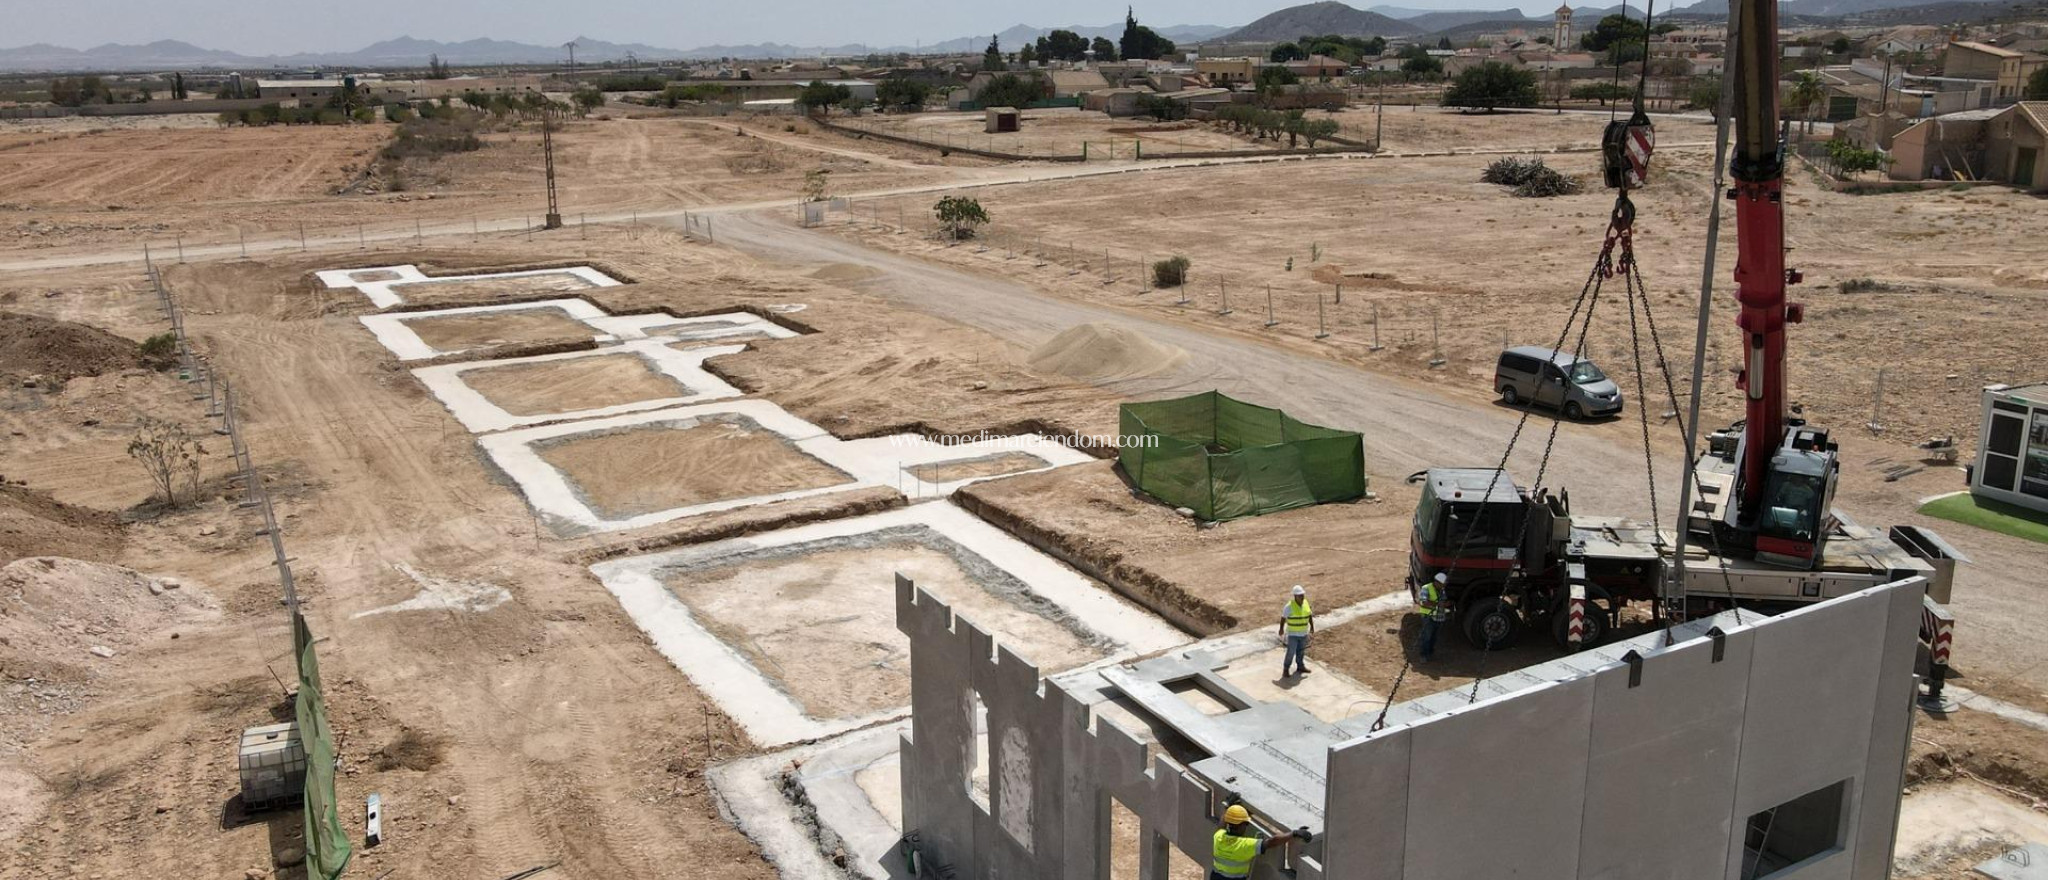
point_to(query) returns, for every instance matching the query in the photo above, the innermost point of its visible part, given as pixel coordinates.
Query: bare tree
(170, 454)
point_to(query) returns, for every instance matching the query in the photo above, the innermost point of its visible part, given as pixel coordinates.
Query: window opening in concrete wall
(1127, 841)
(977, 756)
(1789, 834)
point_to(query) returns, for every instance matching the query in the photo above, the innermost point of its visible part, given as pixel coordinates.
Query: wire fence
(1366, 313)
(1163, 145)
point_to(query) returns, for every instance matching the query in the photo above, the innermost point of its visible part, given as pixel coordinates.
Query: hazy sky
(264, 28)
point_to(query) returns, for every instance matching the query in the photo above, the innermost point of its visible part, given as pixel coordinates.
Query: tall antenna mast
(547, 148)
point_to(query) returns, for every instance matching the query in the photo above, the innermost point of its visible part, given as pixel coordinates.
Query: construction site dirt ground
(547, 728)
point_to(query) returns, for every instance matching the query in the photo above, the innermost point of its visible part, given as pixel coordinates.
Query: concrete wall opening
(1133, 847)
(1788, 835)
(977, 750)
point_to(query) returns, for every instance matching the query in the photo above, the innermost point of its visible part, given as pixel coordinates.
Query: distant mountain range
(1326, 17)
(412, 52)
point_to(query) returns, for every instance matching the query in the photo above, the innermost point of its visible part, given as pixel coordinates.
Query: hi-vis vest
(1298, 614)
(1232, 855)
(1433, 600)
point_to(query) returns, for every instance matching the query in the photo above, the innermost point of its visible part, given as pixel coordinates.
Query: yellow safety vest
(1433, 600)
(1232, 855)
(1298, 614)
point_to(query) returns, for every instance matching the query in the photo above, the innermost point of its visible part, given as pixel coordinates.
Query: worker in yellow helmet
(1237, 843)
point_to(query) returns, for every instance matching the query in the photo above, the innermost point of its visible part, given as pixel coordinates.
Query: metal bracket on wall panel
(1634, 660)
(1720, 643)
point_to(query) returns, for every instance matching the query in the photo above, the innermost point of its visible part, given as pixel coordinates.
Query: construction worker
(1237, 843)
(1297, 620)
(1435, 608)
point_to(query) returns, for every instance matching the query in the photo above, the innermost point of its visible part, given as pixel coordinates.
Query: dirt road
(1407, 426)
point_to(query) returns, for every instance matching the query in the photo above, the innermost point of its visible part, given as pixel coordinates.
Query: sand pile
(34, 524)
(59, 615)
(59, 351)
(1101, 352)
(846, 273)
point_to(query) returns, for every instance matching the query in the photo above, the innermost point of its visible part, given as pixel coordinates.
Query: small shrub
(161, 350)
(1170, 272)
(1859, 285)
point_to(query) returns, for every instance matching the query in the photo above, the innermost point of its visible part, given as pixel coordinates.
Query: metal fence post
(1270, 321)
(1322, 330)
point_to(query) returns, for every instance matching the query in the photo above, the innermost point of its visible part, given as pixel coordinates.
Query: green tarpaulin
(1225, 459)
(327, 846)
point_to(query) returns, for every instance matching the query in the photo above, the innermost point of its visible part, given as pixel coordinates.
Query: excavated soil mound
(59, 351)
(34, 524)
(1101, 352)
(847, 273)
(58, 616)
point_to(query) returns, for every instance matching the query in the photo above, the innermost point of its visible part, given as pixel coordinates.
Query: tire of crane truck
(1492, 620)
(1598, 622)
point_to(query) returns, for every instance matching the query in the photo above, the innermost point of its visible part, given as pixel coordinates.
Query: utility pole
(547, 146)
(571, 45)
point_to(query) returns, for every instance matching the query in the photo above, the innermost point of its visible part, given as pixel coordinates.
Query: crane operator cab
(1798, 502)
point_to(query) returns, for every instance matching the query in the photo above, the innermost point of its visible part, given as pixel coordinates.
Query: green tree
(1602, 92)
(1840, 46)
(1104, 49)
(821, 96)
(64, 92)
(1705, 93)
(1490, 85)
(1417, 63)
(1026, 54)
(1162, 108)
(1140, 41)
(908, 94)
(1318, 129)
(589, 98)
(2037, 85)
(1806, 93)
(959, 216)
(1444, 43)
(476, 101)
(436, 68)
(1616, 28)
(1011, 90)
(1852, 160)
(992, 57)
(178, 92)
(1286, 52)
(1062, 45)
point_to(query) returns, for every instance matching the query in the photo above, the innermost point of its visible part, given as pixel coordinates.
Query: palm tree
(1807, 92)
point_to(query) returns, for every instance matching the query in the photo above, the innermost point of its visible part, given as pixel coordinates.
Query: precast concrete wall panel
(1368, 794)
(1891, 732)
(1807, 723)
(1664, 754)
(1498, 790)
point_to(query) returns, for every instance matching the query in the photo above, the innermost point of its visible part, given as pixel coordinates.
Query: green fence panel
(327, 846)
(1224, 458)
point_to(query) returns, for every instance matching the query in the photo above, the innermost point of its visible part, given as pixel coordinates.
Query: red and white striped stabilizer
(1575, 629)
(1641, 140)
(1937, 629)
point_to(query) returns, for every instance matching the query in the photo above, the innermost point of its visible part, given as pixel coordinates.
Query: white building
(2012, 446)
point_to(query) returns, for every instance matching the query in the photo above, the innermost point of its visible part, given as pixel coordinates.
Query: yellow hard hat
(1236, 815)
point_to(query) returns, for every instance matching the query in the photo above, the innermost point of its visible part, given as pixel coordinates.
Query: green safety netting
(327, 847)
(1224, 458)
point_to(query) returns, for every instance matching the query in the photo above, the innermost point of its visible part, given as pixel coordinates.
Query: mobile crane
(1763, 533)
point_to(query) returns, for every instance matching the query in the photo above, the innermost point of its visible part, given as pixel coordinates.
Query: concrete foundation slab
(2029, 862)
(401, 331)
(480, 414)
(384, 285)
(1034, 593)
(877, 461)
